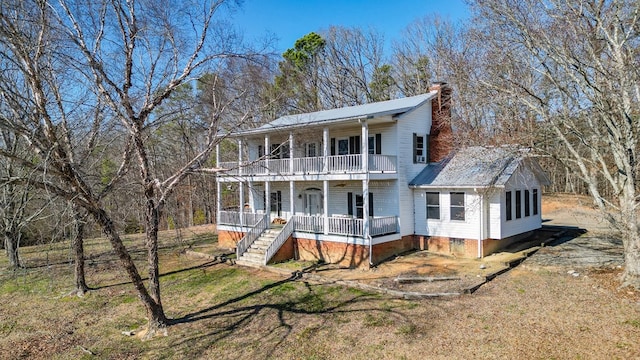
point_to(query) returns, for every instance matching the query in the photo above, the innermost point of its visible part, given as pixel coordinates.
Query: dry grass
(227, 312)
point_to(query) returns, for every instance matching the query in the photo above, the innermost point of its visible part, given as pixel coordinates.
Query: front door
(313, 204)
(276, 204)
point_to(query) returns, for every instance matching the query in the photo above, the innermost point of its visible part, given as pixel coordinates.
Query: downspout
(481, 226)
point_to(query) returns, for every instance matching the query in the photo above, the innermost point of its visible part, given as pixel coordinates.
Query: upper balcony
(330, 165)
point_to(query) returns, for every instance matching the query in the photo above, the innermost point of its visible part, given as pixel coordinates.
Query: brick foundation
(489, 246)
(350, 255)
(286, 251)
(467, 248)
(389, 249)
(229, 239)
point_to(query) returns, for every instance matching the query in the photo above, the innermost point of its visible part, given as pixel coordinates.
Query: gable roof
(371, 110)
(477, 166)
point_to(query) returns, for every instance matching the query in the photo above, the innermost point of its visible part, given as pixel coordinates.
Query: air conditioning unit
(420, 159)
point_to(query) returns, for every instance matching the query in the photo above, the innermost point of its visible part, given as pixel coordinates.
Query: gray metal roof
(477, 166)
(377, 109)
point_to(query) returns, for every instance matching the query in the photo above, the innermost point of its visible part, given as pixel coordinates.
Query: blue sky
(289, 20)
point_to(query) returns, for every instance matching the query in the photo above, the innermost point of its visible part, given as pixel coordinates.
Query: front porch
(332, 225)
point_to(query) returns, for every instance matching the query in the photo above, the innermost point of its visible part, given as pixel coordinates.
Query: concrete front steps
(254, 256)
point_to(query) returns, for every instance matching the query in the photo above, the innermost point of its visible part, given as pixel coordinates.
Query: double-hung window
(457, 206)
(433, 205)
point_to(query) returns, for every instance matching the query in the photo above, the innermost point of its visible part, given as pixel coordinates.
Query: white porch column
(365, 209)
(267, 200)
(241, 187)
(325, 150)
(239, 156)
(267, 152)
(292, 197)
(325, 205)
(364, 146)
(291, 152)
(218, 187)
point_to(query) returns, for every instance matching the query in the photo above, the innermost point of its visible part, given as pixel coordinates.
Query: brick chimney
(441, 134)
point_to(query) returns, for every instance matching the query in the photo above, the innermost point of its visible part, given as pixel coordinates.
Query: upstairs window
(433, 205)
(375, 144)
(280, 151)
(420, 148)
(457, 206)
(311, 149)
(345, 146)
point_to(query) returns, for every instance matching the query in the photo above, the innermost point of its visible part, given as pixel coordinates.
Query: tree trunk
(11, 246)
(153, 220)
(630, 236)
(155, 312)
(78, 250)
(631, 274)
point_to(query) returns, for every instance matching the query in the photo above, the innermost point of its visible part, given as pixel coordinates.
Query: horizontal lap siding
(522, 179)
(417, 121)
(445, 227)
(385, 198)
(496, 210)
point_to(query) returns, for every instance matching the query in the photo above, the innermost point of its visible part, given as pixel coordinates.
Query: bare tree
(16, 210)
(583, 61)
(133, 56)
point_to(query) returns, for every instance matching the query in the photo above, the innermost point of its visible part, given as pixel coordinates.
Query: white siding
(522, 179)
(385, 198)
(496, 214)
(388, 133)
(445, 227)
(417, 121)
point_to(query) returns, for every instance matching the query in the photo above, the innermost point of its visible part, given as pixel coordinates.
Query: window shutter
(378, 144)
(260, 151)
(350, 204)
(333, 146)
(415, 143)
(371, 204)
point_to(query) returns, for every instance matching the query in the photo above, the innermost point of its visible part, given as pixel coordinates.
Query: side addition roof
(377, 109)
(477, 166)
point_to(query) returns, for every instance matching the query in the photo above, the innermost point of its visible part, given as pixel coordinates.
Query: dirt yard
(557, 304)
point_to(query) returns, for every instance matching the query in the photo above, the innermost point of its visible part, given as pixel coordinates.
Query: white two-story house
(359, 184)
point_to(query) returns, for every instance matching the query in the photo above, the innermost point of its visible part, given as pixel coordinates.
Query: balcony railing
(336, 164)
(233, 218)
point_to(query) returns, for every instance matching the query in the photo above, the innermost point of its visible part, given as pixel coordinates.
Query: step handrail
(251, 236)
(279, 240)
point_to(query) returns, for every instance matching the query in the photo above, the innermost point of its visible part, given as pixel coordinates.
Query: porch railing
(382, 163)
(312, 224)
(310, 165)
(346, 226)
(338, 225)
(384, 225)
(279, 240)
(345, 163)
(233, 218)
(251, 236)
